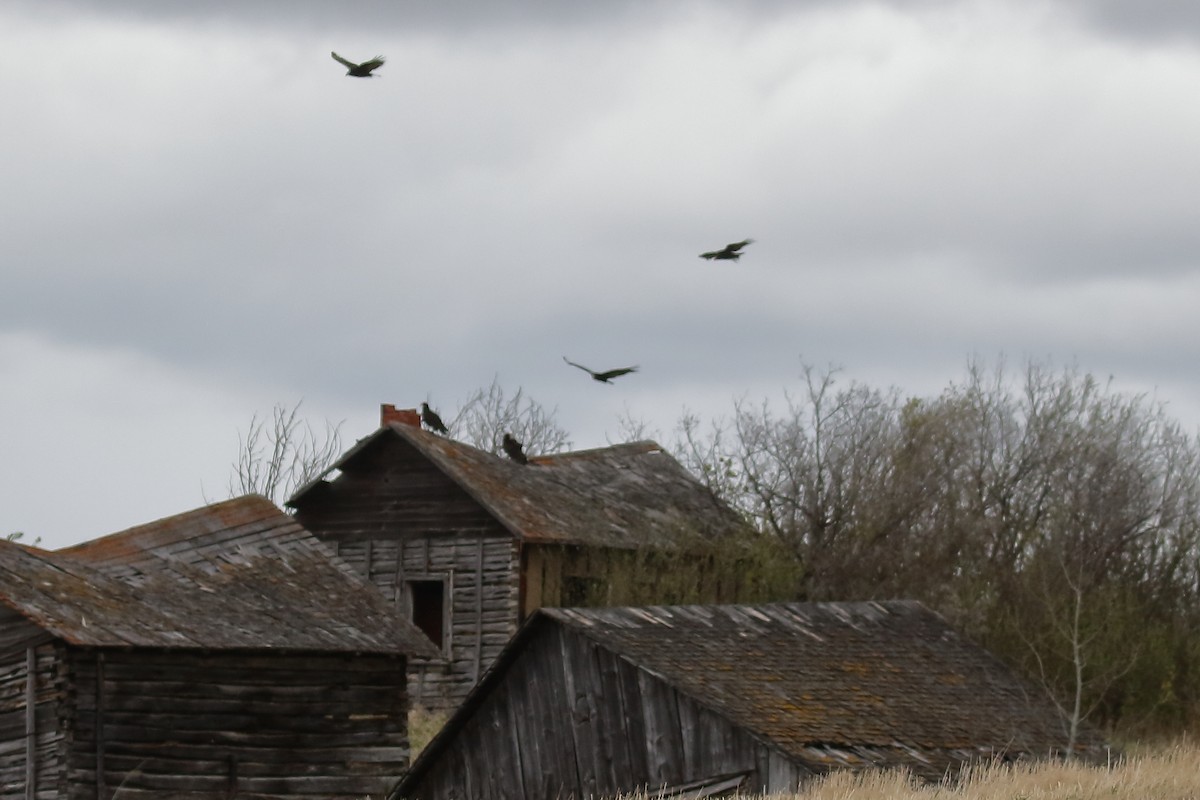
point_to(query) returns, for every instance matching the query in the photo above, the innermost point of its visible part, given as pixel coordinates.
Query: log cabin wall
(397, 519)
(32, 743)
(474, 577)
(224, 724)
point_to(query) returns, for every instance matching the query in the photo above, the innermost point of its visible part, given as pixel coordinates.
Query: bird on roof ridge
(431, 420)
(514, 449)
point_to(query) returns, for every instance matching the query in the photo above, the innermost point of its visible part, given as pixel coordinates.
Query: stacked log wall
(32, 746)
(152, 723)
(396, 518)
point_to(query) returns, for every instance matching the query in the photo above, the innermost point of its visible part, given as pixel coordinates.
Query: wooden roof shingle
(839, 683)
(234, 575)
(829, 685)
(626, 495)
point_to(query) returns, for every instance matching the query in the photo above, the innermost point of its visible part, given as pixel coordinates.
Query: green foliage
(1055, 520)
(748, 569)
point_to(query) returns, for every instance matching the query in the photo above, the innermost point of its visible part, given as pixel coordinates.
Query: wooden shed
(712, 699)
(468, 544)
(222, 652)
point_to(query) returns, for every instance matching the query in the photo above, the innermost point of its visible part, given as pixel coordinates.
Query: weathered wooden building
(712, 699)
(218, 653)
(469, 544)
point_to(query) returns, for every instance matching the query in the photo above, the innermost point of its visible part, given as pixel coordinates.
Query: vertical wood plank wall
(570, 719)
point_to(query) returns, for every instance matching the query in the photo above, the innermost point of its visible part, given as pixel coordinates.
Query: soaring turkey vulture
(432, 420)
(362, 70)
(514, 449)
(603, 377)
(729, 252)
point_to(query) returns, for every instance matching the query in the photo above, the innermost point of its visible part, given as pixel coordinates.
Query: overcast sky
(203, 215)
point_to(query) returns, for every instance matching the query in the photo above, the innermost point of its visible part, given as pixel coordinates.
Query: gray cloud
(923, 181)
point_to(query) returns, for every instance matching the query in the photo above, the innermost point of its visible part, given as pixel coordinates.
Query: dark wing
(373, 64)
(431, 418)
(582, 367)
(729, 251)
(341, 60)
(615, 373)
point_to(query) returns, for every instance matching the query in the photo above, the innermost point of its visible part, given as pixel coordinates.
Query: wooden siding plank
(783, 775)
(582, 715)
(30, 723)
(629, 694)
(664, 748)
(98, 726)
(478, 610)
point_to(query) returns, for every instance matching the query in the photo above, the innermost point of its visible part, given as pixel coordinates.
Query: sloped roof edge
(622, 496)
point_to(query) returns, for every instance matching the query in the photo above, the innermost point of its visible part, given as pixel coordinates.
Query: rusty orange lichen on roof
(240, 574)
(882, 681)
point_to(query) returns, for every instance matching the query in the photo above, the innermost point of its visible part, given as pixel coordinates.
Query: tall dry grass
(1170, 773)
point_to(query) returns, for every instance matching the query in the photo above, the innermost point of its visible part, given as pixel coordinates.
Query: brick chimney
(388, 414)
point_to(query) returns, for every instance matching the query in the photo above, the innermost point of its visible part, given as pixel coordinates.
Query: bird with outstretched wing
(603, 377)
(362, 70)
(730, 252)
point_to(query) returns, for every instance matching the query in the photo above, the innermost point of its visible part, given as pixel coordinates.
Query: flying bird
(432, 420)
(603, 377)
(730, 252)
(362, 70)
(514, 449)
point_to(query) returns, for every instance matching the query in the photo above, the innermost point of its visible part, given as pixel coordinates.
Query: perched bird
(729, 252)
(362, 70)
(603, 377)
(432, 420)
(514, 449)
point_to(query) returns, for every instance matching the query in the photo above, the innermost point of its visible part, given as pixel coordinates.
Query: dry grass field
(1168, 773)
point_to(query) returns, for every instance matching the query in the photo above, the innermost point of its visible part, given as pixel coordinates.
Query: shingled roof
(626, 495)
(831, 685)
(876, 682)
(234, 575)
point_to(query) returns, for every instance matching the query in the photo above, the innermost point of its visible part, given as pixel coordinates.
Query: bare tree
(488, 414)
(277, 456)
(1071, 665)
(965, 500)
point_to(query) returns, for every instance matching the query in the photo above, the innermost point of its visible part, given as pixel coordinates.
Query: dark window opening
(428, 599)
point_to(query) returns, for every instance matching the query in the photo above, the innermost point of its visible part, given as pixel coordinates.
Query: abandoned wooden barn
(468, 544)
(713, 699)
(221, 651)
